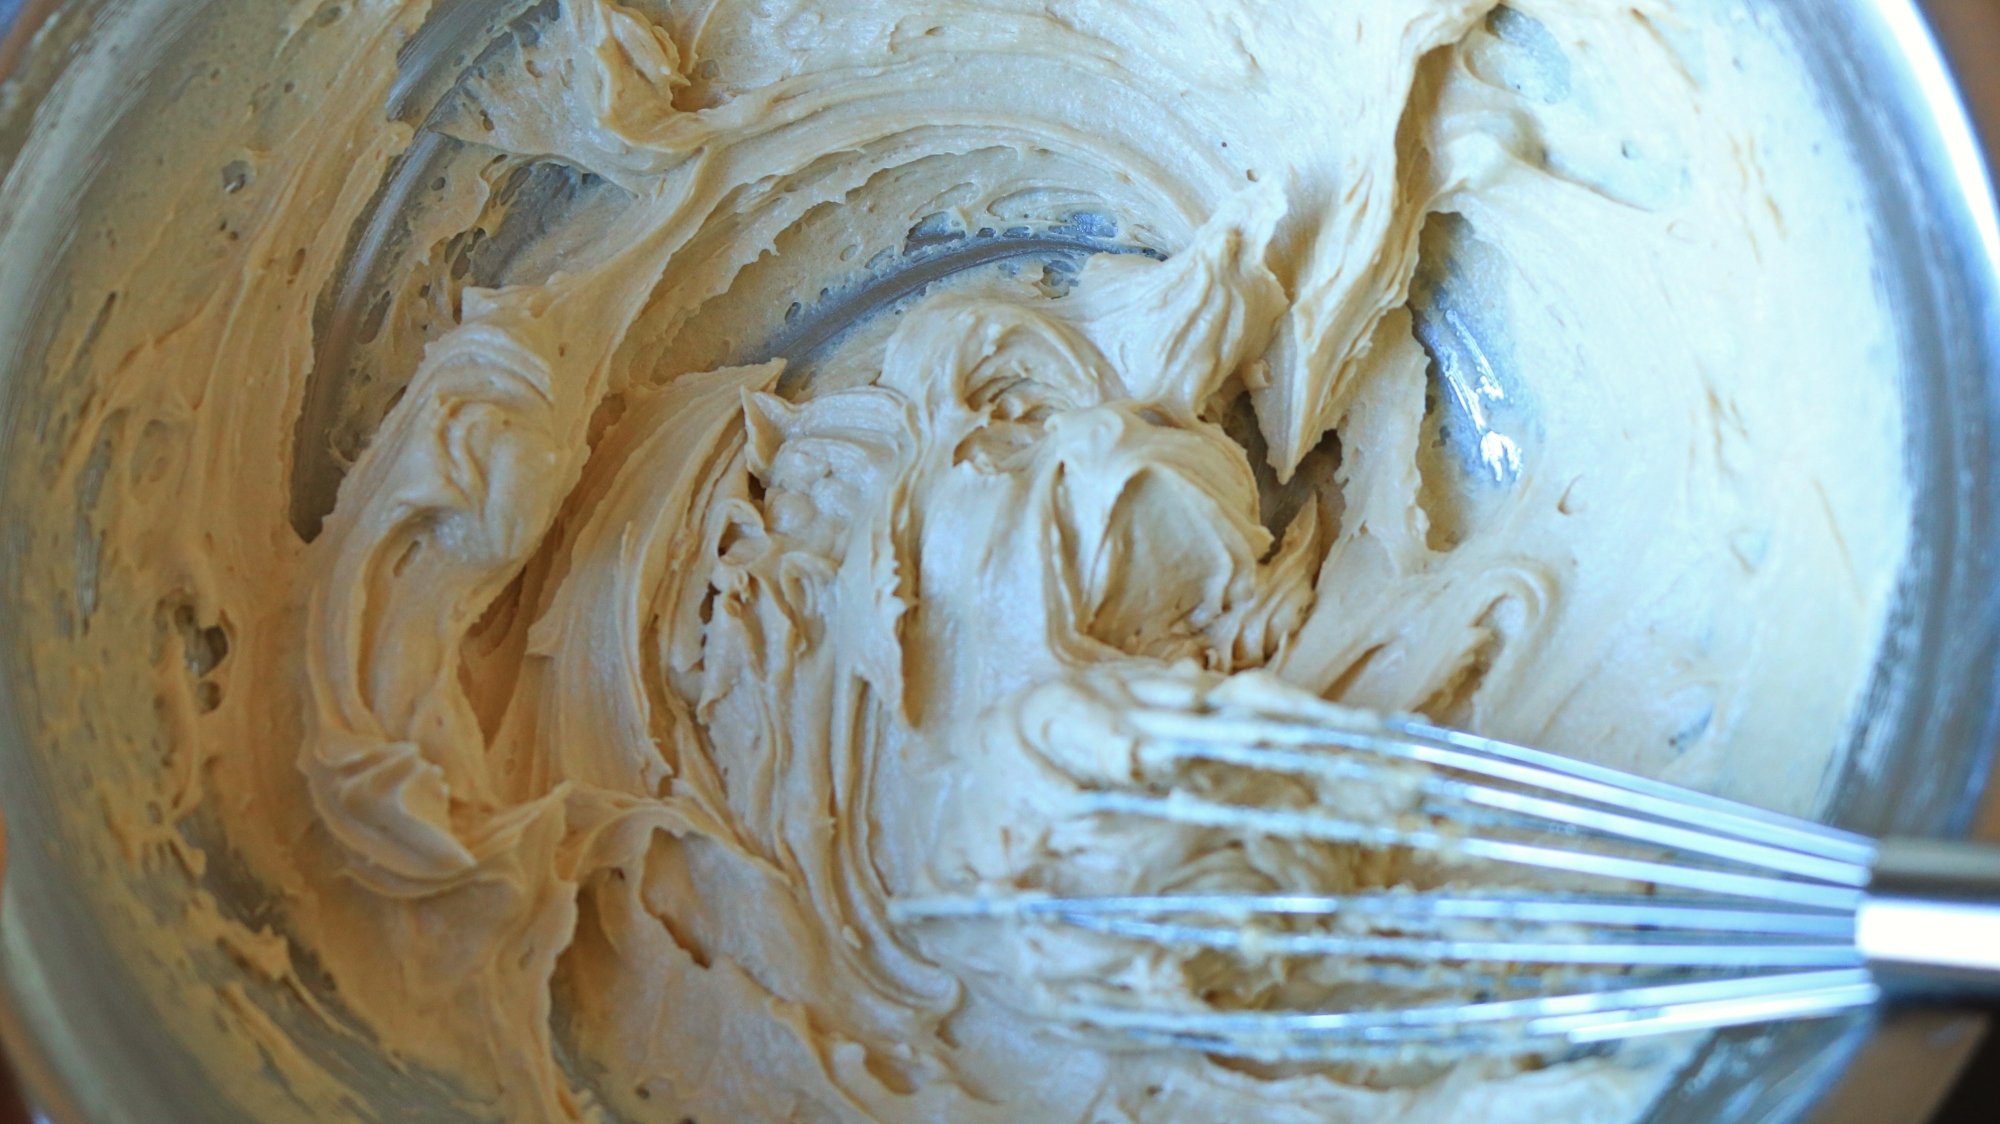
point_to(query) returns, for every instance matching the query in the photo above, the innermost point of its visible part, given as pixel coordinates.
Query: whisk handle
(1930, 921)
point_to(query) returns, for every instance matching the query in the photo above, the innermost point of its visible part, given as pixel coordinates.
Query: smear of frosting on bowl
(580, 684)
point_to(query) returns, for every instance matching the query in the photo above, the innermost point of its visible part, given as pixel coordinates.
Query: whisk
(1647, 908)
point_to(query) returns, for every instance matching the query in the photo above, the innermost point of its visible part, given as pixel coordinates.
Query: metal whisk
(1602, 906)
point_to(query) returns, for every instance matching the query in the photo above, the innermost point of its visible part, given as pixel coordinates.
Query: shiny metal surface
(1929, 933)
(1656, 910)
(86, 1048)
(1933, 905)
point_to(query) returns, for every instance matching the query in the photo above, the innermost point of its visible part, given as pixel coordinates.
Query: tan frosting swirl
(632, 676)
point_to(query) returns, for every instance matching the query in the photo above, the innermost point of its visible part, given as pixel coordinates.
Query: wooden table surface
(10, 1112)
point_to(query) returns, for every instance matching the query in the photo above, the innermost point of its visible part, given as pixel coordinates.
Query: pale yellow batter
(585, 741)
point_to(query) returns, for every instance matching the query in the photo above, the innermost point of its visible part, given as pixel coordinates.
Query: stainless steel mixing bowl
(84, 1030)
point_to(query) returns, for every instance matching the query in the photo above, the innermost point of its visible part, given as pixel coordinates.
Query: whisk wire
(1659, 910)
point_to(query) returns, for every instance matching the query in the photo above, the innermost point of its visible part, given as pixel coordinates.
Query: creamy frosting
(586, 738)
